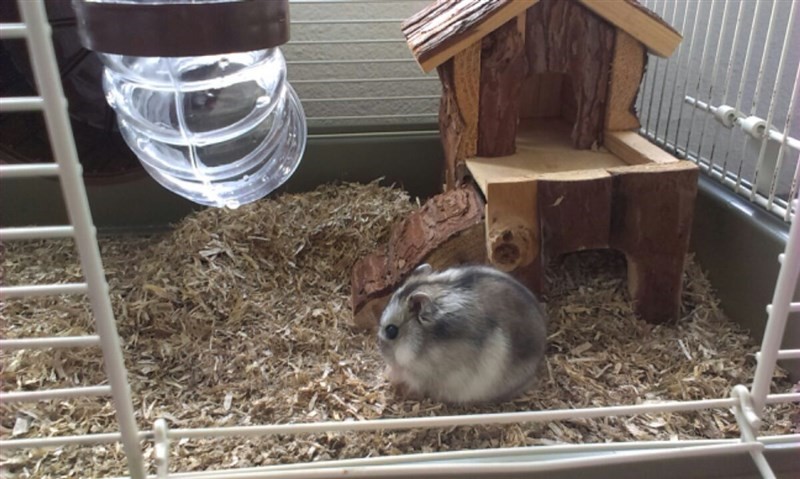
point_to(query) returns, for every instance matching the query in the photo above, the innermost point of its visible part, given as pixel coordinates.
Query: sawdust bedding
(241, 317)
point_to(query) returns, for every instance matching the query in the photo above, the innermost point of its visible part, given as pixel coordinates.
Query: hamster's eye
(391, 331)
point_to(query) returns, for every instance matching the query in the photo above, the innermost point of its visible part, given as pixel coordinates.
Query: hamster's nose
(390, 331)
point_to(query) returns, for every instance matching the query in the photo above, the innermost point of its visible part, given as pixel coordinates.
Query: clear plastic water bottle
(221, 130)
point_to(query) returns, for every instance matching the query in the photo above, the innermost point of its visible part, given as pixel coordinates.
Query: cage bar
(57, 342)
(48, 80)
(28, 171)
(23, 103)
(487, 469)
(7, 292)
(773, 99)
(11, 31)
(36, 232)
(46, 394)
(449, 421)
(779, 311)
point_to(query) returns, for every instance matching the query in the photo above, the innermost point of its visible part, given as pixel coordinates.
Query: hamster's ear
(423, 269)
(419, 305)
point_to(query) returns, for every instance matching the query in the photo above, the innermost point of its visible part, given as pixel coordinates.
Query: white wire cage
(728, 98)
(747, 403)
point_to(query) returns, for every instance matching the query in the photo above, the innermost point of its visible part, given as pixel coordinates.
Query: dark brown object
(651, 221)
(564, 37)
(451, 127)
(446, 231)
(458, 24)
(176, 30)
(503, 67)
(574, 215)
(458, 112)
(446, 27)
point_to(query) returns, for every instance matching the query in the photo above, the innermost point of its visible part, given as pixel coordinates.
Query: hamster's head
(403, 324)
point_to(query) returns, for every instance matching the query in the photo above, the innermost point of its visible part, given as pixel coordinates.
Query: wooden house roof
(441, 30)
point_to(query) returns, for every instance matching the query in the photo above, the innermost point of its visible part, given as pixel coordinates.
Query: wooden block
(634, 149)
(651, 220)
(639, 22)
(563, 37)
(451, 127)
(574, 215)
(447, 230)
(442, 30)
(467, 78)
(511, 224)
(458, 112)
(544, 151)
(627, 70)
(503, 68)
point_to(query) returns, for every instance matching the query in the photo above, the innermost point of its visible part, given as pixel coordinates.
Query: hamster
(469, 334)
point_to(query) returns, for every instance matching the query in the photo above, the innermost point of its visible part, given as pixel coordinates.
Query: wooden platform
(548, 199)
(544, 151)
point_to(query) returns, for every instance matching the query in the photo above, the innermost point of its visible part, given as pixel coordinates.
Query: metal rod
(732, 57)
(328, 2)
(681, 50)
(703, 57)
(42, 290)
(775, 87)
(742, 77)
(714, 72)
(59, 441)
(349, 61)
(487, 469)
(778, 315)
(667, 67)
(365, 80)
(349, 21)
(686, 83)
(772, 133)
(741, 411)
(784, 141)
(764, 57)
(726, 178)
(651, 78)
(21, 103)
(494, 453)
(373, 117)
(36, 232)
(783, 398)
(789, 354)
(53, 342)
(505, 453)
(447, 421)
(46, 394)
(793, 193)
(357, 41)
(9, 31)
(793, 307)
(27, 171)
(370, 98)
(45, 68)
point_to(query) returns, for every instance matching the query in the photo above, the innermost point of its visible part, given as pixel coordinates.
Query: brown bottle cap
(182, 29)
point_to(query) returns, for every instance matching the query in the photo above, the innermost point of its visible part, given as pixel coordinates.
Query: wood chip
(241, 317)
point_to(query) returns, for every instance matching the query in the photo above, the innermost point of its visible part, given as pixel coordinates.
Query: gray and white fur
(463, 335)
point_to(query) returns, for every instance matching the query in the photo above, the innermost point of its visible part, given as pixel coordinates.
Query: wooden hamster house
(541, 153)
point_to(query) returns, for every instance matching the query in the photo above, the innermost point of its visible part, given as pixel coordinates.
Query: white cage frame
(747, 403)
